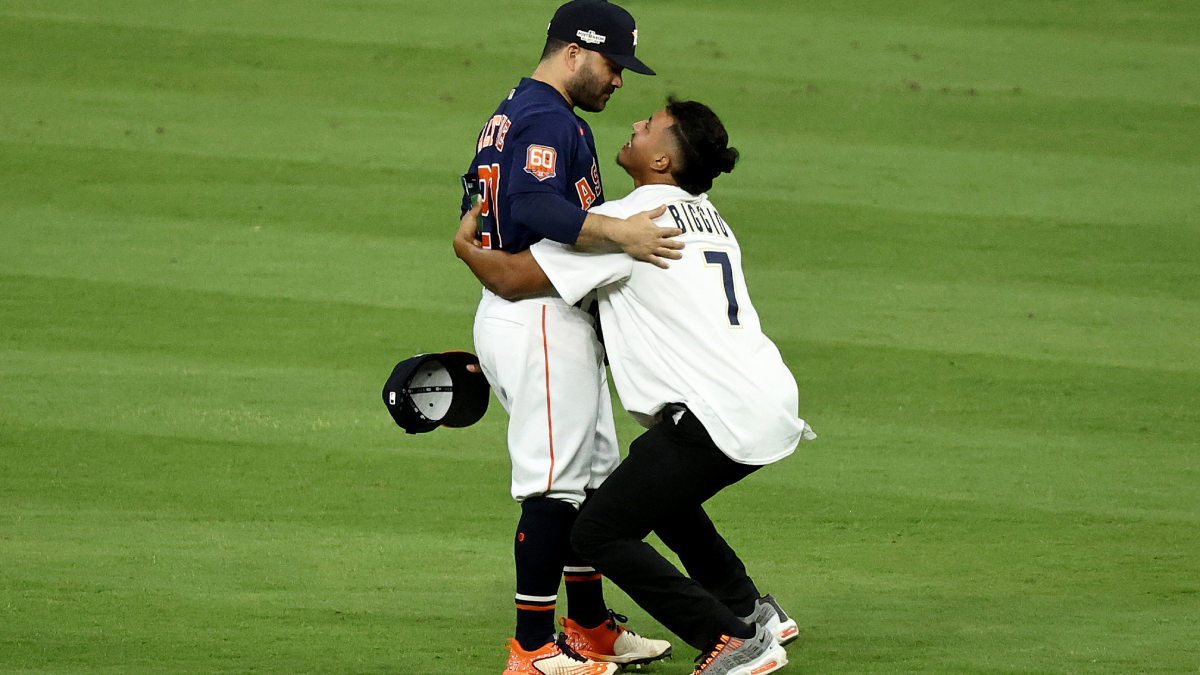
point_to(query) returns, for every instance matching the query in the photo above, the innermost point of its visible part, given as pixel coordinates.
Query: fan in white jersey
(691, 363)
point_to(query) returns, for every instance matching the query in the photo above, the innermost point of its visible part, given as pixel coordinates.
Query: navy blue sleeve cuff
(549, 215)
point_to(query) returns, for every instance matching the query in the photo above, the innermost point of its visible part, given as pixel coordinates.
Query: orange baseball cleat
(553, 658)
(614, 643)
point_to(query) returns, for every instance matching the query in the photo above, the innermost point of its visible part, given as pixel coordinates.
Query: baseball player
(692, 365)
(536, 167)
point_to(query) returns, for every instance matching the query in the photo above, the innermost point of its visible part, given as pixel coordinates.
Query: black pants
(671, 470)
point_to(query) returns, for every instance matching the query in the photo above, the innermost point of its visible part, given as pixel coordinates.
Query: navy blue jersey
(534, 143)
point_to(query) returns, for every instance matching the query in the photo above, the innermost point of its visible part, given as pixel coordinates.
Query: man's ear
(573, 57)
(662, 162)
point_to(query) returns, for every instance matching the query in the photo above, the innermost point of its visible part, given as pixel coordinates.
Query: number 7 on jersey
(721, 258)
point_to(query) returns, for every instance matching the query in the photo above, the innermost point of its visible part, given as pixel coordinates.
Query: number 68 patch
(540, 160)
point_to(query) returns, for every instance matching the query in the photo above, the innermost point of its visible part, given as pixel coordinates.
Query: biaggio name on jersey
(694, 219)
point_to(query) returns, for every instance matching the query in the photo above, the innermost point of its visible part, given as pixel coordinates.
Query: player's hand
(468, 228)
(643, 240)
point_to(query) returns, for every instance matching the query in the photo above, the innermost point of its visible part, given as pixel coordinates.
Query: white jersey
(687, 334)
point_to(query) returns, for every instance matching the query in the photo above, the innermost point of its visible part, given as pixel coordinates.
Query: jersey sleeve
(549, 215)
(575, 274)
(542, 145)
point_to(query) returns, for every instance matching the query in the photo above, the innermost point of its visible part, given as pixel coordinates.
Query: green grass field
(973, 228)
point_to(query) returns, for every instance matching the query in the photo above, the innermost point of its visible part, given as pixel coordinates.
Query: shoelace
(709, 654)
(614, 619)
(561, 643)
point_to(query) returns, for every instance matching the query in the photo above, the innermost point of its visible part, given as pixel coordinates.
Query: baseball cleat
(768, 614)
(614, 643)
(758, 655)
(553, 658)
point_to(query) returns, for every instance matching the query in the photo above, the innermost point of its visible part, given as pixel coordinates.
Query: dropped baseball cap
(436, 390)
(600, 27)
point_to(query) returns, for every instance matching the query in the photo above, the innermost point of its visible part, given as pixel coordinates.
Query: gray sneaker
(768, 614)
(758, 655)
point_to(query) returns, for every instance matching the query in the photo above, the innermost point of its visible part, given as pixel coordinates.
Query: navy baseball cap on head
(601, 27)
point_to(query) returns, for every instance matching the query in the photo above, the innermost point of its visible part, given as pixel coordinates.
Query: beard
(588, 91)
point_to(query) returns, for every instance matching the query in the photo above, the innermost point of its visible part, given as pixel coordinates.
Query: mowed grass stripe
(195, 474)
(325, 197)
(236, 331)
(994, 437)
(976, 182)
(242, 260)
(169, 594)
(913, 177)
(301, 72)
(1123, 326)
(184, 399)
(1067, 188)
(298, 71)
(1106, 55)
(198, 125)
(1020, 321)
(1026, 255)
(993, 430)
(1156, 21)
(353, 344)
(419, 23)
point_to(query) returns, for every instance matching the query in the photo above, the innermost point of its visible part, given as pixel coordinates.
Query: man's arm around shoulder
(637, 235)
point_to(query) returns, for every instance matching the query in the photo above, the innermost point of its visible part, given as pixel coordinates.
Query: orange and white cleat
(614, 643)
(553, 658)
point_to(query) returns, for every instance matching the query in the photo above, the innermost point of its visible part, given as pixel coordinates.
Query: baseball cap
(600, 27)
(436, 390)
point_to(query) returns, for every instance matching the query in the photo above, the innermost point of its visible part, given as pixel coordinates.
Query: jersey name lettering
(698, 220)
(493, 133)
(540, 161)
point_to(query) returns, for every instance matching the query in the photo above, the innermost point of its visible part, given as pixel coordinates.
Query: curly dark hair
(704, 151)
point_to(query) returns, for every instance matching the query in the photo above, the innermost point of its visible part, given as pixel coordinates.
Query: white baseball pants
(546, 365)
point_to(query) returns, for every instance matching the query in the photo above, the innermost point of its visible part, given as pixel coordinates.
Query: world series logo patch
(540, 161)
